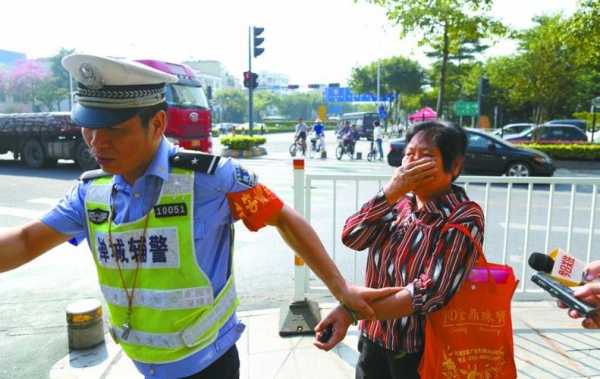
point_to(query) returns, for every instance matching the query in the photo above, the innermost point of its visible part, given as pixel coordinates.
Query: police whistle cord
(130, 295)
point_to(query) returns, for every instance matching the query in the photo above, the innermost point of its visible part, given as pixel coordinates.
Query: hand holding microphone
(571, 272)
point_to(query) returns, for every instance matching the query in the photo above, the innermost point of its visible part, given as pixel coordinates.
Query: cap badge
(89, 76)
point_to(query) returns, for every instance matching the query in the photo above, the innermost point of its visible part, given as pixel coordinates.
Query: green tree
(397, 74)
(444, 25)
(232, 105)
(544, 73)
(60, 74)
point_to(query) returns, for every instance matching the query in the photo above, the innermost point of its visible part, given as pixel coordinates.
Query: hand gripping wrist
(352, 314)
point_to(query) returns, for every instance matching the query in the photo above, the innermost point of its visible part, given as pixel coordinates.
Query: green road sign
(466, 108)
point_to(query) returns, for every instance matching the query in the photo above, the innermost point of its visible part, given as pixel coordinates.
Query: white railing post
(299, 266)
(301, 316)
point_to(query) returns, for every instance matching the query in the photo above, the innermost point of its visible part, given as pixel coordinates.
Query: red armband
(254, 206)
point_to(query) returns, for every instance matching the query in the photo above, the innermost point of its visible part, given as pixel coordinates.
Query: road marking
(542, 228)
(20, 212)
(44, 200)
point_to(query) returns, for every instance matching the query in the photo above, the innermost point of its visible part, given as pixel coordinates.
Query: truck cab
(189, 116)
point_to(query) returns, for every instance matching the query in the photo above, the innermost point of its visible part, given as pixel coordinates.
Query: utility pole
(250, 89)
(378, 79)
(254, 41)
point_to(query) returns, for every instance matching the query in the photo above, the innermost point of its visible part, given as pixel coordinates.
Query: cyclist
(318, 140)
(300, 135)
(346, 134)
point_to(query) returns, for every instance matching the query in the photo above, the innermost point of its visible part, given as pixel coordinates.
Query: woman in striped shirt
(401, 228)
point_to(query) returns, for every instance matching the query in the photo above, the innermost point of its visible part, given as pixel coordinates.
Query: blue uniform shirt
(212, 219)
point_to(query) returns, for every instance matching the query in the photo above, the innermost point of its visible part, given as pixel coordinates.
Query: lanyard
(130, 294)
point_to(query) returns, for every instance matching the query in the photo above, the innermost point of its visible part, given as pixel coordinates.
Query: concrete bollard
(84, 324)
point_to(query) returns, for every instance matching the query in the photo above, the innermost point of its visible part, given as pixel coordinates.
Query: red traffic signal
(250, 79)
(247, 79)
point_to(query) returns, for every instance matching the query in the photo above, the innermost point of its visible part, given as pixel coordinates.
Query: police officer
(158, 221)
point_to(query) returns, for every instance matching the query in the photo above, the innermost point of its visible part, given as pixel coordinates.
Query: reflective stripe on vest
(188, 337)
(184, 298)
(175, 313)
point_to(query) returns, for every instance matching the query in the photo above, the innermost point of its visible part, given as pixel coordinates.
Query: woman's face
(420, 147)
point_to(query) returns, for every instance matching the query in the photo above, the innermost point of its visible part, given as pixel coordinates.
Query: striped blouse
(402, 241)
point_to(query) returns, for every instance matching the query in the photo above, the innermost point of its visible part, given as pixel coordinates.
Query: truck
(40, 139)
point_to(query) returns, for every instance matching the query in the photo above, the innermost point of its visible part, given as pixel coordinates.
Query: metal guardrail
(550, 193)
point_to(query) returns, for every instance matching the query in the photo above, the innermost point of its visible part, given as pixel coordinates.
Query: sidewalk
(548, 344)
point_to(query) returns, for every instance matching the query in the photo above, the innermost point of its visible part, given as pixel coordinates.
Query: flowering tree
(25, 78)
(3, 84)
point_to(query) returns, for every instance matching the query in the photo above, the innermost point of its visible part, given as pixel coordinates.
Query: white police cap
(111, 91)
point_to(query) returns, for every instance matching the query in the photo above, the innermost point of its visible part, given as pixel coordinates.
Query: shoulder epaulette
(195, 160)
(93, 174)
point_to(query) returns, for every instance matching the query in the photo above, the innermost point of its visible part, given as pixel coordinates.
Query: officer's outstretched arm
(303, 239)
(24, 243)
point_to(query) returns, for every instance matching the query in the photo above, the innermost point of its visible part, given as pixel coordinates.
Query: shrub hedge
(241, 142)
(582, 152)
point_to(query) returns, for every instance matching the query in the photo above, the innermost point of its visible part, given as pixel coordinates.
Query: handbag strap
(481, 260)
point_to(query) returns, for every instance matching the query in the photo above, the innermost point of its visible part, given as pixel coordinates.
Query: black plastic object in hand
(326, 334)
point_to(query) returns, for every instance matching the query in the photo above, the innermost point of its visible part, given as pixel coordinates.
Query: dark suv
(489, 155)
(363, 121)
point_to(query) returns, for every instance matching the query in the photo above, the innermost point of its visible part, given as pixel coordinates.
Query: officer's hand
(410, 176)
(338, 319)
(358, 299)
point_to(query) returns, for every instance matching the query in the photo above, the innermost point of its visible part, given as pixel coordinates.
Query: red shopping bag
(472, 336)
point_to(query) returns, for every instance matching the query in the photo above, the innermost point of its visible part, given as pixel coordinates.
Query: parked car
(512, 129)
(549, 134)
(489, 155)
(581, 124)
(225, 127)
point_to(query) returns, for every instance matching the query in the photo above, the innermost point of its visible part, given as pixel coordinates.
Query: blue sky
(311, 41)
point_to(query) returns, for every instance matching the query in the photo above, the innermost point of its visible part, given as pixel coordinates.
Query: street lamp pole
(378, 79)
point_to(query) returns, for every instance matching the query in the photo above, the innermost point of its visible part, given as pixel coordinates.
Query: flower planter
(255, 151)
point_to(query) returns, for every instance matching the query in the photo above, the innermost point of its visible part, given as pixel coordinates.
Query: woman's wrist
(390, 195)
(353, 315)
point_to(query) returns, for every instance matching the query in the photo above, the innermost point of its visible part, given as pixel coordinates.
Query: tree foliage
(445, 26)
(397, 74)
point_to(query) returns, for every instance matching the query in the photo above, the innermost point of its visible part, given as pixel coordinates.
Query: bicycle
(344, 148)
(373, 153)
(317, 146)
(299, 145)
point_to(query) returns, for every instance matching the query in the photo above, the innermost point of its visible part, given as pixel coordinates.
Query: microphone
(563, 267)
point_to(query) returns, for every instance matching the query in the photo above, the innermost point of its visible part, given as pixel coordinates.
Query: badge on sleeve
(97, 216)
(245, 177)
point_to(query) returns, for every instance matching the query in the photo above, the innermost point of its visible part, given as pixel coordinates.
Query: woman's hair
(449, 138)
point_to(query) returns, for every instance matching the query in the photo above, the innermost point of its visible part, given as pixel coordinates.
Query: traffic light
(293, 86)
(484, 86)
(334, 85)
(254, 80)
(314, 86)
(247, 79)
(250, 79)
(256, 32)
